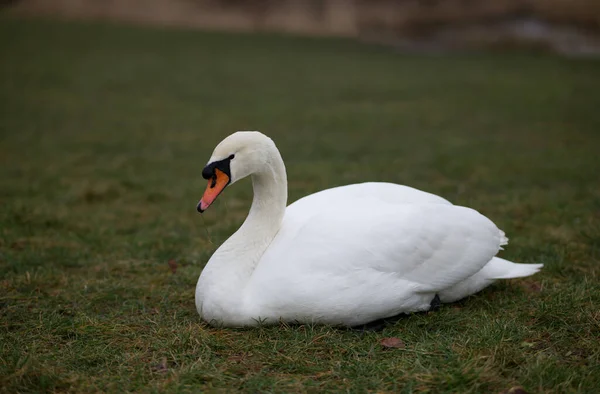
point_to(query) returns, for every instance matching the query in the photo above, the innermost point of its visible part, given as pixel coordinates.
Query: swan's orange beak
(215, 186)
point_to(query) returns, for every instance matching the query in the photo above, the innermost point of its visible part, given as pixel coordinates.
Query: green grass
(104, 131)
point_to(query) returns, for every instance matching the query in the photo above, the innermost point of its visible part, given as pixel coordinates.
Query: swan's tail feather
(499, 268)
(503, 239)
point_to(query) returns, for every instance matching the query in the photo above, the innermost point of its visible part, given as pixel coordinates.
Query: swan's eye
(231, 157)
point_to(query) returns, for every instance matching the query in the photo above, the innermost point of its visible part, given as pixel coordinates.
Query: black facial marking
(224, 165)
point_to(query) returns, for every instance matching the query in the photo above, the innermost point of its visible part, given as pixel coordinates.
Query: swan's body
(344, 256)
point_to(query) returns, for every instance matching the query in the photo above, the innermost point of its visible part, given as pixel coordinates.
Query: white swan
(343, 256)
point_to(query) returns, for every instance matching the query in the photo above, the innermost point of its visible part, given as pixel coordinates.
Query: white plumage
(344, 256)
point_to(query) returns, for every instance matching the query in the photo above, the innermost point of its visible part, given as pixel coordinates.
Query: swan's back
(389, 193)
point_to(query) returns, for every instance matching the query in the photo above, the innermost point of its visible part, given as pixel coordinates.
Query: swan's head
(237, 156)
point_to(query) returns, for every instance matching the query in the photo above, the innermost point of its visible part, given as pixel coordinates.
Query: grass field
(104, 131)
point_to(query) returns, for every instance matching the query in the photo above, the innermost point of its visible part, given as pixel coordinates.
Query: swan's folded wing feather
(454, 243)
(433, 246)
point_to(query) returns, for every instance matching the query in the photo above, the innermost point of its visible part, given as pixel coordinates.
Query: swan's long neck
(229, 270)
(268, 204)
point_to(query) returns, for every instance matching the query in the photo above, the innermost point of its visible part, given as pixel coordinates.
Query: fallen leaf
(392, 342)
(173, 265)
(162, 366)
(531, 287)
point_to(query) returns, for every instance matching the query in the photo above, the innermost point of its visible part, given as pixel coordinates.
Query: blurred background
(565, 26)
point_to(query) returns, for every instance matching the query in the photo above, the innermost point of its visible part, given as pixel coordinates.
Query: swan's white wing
(432, 244)
(377, 258)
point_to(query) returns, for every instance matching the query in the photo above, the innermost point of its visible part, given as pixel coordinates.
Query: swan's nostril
(213, 181)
